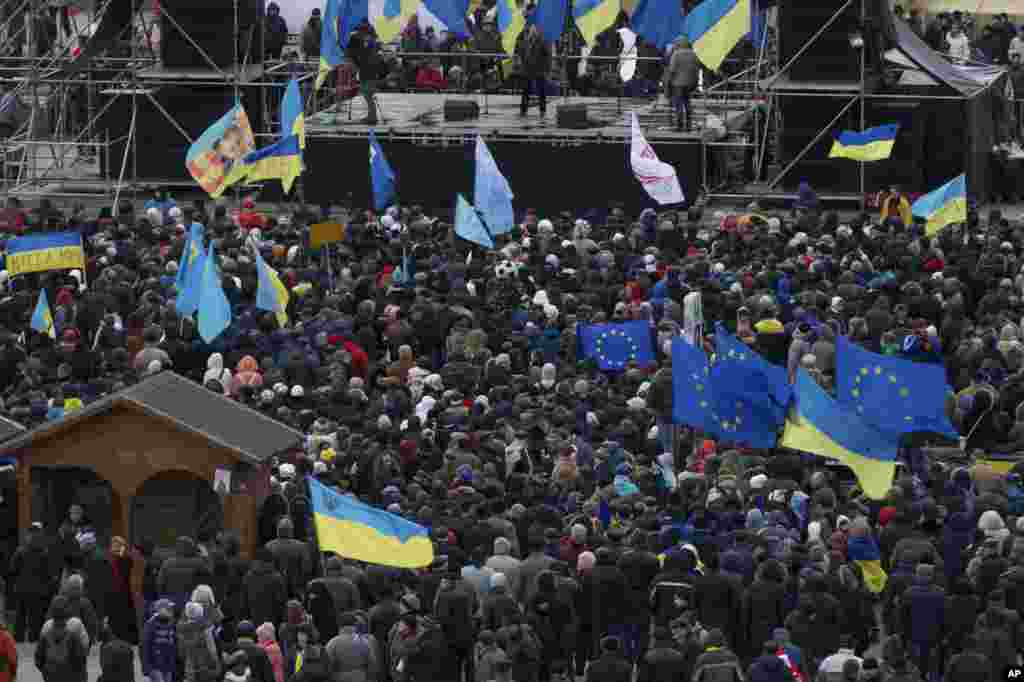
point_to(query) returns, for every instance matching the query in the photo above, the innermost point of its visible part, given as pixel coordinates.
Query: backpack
(58, 655)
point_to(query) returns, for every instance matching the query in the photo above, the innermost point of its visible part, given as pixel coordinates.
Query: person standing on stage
(535, 63)
(364, 51)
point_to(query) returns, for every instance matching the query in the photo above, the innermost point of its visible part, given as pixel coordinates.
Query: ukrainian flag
(819, 425)
(354, 530)
(42, 318)
(271, 294)
(943, 206)
(594, 16)
(510, 24)
(330, 45)
(874, 144)
(714, 27)
(279, 161)
(41, 252)
(864, 552)
(293, 117)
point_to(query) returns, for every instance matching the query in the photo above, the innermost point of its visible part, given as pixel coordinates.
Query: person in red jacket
(8, 654)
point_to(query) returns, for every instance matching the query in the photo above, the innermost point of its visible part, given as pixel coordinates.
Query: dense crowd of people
(577, 531)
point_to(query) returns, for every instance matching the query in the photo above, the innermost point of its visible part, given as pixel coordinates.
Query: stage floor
(423, 114)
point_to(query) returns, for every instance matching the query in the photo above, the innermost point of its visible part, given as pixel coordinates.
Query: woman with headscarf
(215, 371)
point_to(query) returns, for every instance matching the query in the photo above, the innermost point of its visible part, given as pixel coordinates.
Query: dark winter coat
(265, 593)
(610, 668)
(763, 611)
(663, 662)
(924, 613)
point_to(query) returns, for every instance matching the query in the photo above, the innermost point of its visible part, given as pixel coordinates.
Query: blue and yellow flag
(41, 252)
(616, 344)
(214, 313)
(293, 117)
(215, 160)
(42, 318)
(511, 23)
(864, 552)
(874, 144)
(279, 161)
(271, 294)
(187, 301)
(819, 425)
(549, 16)
(189, 256)
(594, 16)
(330, 44)
(893, 394)
(713, 399)
(659, 22)
(944, 206)
(714, 27)
(355, 530)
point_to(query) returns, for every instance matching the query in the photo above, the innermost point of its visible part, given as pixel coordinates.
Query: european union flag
(741, 373)
(615, 345)
(714, 399)
(892, 394)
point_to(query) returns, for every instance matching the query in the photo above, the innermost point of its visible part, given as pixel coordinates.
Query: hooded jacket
(159, 648)
(196, 646)
(180, 574)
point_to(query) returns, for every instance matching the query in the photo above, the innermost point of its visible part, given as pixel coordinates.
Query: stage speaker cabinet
(572, 116)
(829, 57)
(210, 25)
(460, 110)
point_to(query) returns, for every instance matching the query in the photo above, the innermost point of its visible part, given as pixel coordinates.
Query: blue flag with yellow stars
(741, 374)
(892, 394)
(708, 398)
(615, 345)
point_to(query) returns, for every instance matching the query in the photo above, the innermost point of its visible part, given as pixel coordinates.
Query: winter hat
(585, 561)
(579, 533)
(758, 482)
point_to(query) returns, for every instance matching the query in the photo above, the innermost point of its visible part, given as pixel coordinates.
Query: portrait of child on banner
(214, 160)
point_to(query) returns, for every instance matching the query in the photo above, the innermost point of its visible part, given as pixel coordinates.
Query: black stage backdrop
(543, 176)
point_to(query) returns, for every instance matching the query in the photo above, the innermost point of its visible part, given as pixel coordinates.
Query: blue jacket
(926, 605)
(159, 648)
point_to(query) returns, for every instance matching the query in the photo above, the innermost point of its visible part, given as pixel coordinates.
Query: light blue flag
(451, 13)
(491, 192)
(381, 175)
(549, 16)
(42, 318)
(892, 394)
(193, 245)
(187, 302)
(659, 22)
(214, 309)
(468, 225)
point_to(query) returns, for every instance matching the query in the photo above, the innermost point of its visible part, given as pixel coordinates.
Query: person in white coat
(959, 44)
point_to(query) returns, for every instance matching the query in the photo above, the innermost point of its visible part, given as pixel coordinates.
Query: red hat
(885, 515)
(248, 203)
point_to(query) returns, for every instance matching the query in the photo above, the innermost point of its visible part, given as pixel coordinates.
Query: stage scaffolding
(58, 150)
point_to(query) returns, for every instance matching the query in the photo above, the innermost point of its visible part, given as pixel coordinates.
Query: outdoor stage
(548, 167)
